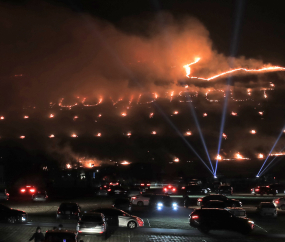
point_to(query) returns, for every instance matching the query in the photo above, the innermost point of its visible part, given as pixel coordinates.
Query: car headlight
(160, 204)
(23, 219)
(251, 222)
(174, 205)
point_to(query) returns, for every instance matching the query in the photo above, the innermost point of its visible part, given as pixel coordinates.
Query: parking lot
(164, 225)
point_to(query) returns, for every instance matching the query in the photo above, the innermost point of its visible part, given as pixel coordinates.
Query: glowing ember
(26, 116)
(99, 115)
(225, 136)
(238, 156)
(264, 69)
(68, 166)
(272, 84)
(51, 136)
(265, 95)
(2, 117)
(151, 115)
(74, 136)
(219, 157)
(176, 160)
(124, 114)
(188, 133)
(234, 114)
(129, 134)
(98, 135)
(153, 132)
(51, 115)
(249, 92)
(22, 137)
(205, 114)
(125, 163)
(260, 156)
(252, 131)
(75, 117)
(175, 112)
(187, 67)
(260, 113)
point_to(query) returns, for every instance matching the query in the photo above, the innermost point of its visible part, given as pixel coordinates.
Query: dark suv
(219, 219)
(225, 190)
(228, 202)
(68, 211)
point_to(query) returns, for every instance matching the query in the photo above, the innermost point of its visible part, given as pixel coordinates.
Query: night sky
(134, 50)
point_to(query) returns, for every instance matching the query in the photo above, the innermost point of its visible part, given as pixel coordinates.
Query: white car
(141, 200)
(92, 223)
(118, 218)
(4, 195)
(267, 208)
(279, 203)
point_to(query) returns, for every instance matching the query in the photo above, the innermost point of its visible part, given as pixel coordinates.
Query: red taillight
(142, 184)
(134, 197)
(23, 190)
(109, 190)
(251, 189)
(200, 199)
(79, 231)
(169, 186)
(257, 190)
(195, 217)
(148, 185)
(174, 189)
(277, 201)
(165, 189)
(58, 212)
(32, 190)
(182, 187)
(267, 186)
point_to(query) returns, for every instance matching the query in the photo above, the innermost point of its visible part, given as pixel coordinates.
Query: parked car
(267, 208)
(28, 190)
(237, 211)
(169, 189)
(12, 215)
(273, 189)
(102, 191)
(4, 195)
(68, 211)
(279, 203)
(40, 196)
(219, 219)
(61, 235)
(92, 223)
(161, 201)
(195, 189)
(141, 200)
(123, 204)
(118, 218)
(117, 190)
(229, 202)
(225, 190)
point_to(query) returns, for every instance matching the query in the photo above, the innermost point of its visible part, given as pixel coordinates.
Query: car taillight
(182, 187)
(174, 189)
(256, 189)
(277, 201)
(251, 189)
(32, 190)
(200, 199)
(134, 198)
(195, 217)
(59, 212)
(148, 185)
(165, 189)
(109, 190)
(267, 186)
(169, 186)
(23, 190)
(142, 184)
(79, 231)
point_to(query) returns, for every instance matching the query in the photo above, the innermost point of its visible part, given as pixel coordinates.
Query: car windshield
(267, 205)
(91, 218)
(60, 237)
(69, 206)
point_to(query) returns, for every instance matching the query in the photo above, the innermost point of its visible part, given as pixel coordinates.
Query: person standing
(38, 235)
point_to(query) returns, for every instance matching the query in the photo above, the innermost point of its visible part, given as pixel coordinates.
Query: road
(165, 225)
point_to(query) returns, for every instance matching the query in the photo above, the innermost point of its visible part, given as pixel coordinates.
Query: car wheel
(140, 203)
(132, 225)
(11, 220)
(283, 207)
